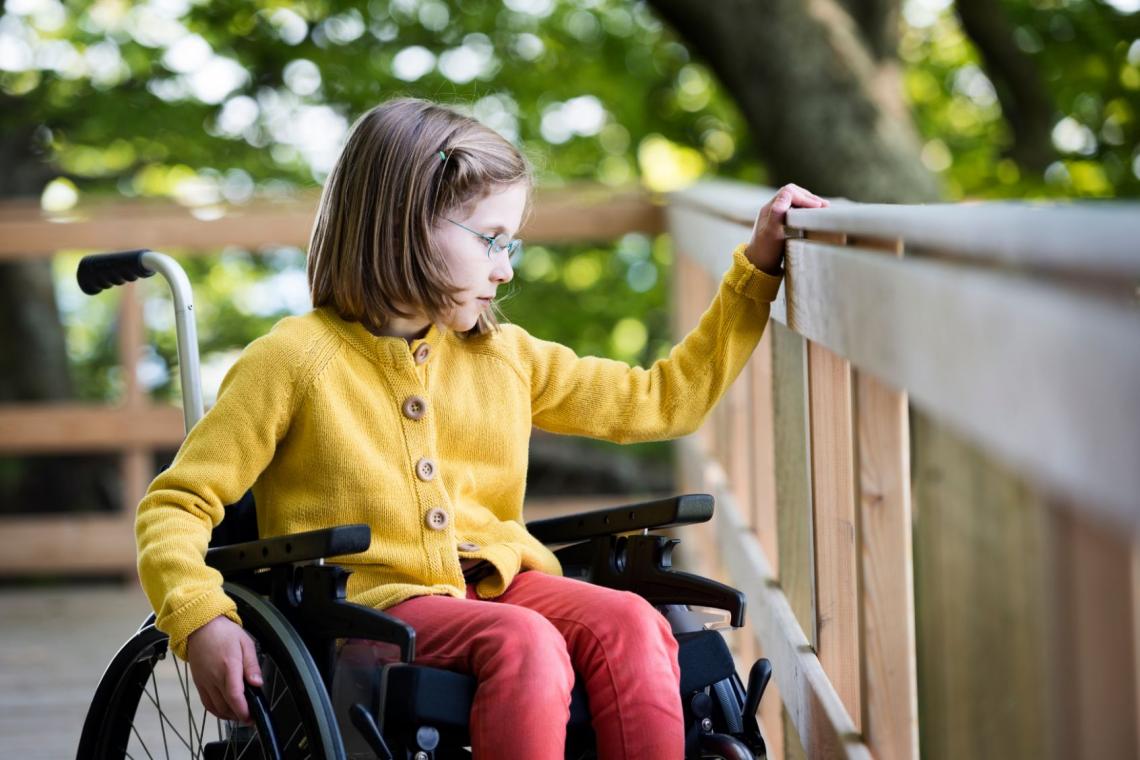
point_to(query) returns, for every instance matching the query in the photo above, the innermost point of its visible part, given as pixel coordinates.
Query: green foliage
(1087, 54)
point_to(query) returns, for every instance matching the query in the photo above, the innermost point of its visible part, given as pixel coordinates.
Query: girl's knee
(527, 645)
(631, 612)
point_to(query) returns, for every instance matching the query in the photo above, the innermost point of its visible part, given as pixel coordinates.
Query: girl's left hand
(766, 250)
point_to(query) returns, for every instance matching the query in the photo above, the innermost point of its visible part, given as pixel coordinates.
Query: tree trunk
(819, 89)
(34, 366)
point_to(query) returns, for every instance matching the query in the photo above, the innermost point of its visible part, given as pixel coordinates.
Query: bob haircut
(407, 164)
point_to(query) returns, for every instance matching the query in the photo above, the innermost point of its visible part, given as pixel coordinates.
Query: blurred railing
(928, 476)
(135, 427)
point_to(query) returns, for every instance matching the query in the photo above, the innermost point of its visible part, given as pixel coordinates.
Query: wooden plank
(793, 476)
(55, 642)
(1030, 235)
(574, 214)
(130, 343)
(739, 422)
(983, 592)
(821, 721)
(762, 447)
(63, 545)
(772, 716)
(44, 428)
(963, 343)
(1136, 634)
(891, 707)
(1095, 653)
(835, 524)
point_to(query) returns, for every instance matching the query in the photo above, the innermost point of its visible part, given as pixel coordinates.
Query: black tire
(128, 719)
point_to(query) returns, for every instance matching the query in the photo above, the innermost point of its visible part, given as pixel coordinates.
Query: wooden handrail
(563, 215)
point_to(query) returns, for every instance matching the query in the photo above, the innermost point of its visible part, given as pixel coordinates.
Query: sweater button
(467, 546)
(414, 407)
(425, 469)
(436, 519)
(421, 353)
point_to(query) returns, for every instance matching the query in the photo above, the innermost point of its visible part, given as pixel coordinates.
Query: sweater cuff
(190, 617)
(507, 562)
(744, 278)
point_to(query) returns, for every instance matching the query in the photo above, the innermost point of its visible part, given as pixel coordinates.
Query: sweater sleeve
(603, 398)
(217, 463)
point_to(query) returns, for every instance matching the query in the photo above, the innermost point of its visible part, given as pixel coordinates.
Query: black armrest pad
(295, 547)
(662, 513)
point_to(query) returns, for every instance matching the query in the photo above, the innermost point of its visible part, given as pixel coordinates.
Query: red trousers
(524, 647)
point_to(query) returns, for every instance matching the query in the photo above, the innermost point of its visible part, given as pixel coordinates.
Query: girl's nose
(502, 272)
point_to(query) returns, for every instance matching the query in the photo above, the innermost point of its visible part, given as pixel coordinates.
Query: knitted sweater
(331, 425)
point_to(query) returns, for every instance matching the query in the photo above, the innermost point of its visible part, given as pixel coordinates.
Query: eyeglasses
(498, 244)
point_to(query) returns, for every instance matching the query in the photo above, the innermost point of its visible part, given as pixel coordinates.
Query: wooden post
(793, 476)
(136, 465)
(1095, 654)
(982, 591)
(836, 524)
(762, 516)
(891, 707)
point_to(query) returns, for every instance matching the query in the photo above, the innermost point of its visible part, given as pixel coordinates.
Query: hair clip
(442, 157)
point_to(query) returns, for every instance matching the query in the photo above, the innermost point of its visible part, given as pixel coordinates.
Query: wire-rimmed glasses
(498, 244)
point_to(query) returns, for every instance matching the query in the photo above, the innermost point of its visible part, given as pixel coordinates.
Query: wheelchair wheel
(147, 707)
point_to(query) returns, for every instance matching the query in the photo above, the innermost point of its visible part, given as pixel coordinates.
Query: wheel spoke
(275, 700)
(184, 685)
(165, 720)
(158, 703)
(147, 751)
(290, 739)
(248, 745)
(201, 732)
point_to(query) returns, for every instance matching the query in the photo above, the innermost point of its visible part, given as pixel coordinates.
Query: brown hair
(407, 164)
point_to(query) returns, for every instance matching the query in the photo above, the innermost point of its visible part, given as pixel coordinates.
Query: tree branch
(1024, 101)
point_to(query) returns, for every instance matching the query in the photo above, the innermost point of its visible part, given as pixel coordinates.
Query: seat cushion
(419, 695)
(416, 695)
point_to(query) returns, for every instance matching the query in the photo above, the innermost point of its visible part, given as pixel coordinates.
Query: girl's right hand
(766, 250)
(222, 659)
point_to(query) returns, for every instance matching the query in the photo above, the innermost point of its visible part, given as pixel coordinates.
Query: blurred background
(215, 105)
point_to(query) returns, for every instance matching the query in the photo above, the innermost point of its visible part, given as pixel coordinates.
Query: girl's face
(465, 252)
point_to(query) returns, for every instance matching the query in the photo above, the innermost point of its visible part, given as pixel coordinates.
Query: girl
(400, 402)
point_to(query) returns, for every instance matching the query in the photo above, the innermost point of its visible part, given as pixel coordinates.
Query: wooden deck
(54, 645)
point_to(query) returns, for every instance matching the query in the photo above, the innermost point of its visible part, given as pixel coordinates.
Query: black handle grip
(101, 271)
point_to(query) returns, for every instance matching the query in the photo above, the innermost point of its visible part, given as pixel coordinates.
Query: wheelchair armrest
(295, 547)
(661, 513)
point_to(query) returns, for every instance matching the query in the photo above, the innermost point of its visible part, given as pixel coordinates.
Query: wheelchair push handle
(99, 272)
(102, 271)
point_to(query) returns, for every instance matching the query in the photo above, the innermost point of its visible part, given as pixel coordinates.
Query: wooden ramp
(54, 645)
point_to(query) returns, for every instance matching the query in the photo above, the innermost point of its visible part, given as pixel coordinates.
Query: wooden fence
(928, 476)
(134, 428)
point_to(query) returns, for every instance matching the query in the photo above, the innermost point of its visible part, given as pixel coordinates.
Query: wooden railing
(928, 476)
(134, 428)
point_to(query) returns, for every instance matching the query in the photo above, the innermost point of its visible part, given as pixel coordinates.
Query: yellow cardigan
(427, 443)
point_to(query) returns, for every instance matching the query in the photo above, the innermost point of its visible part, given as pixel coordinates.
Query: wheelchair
(340, 681)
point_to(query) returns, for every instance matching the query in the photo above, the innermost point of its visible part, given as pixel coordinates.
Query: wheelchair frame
(295, 606)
